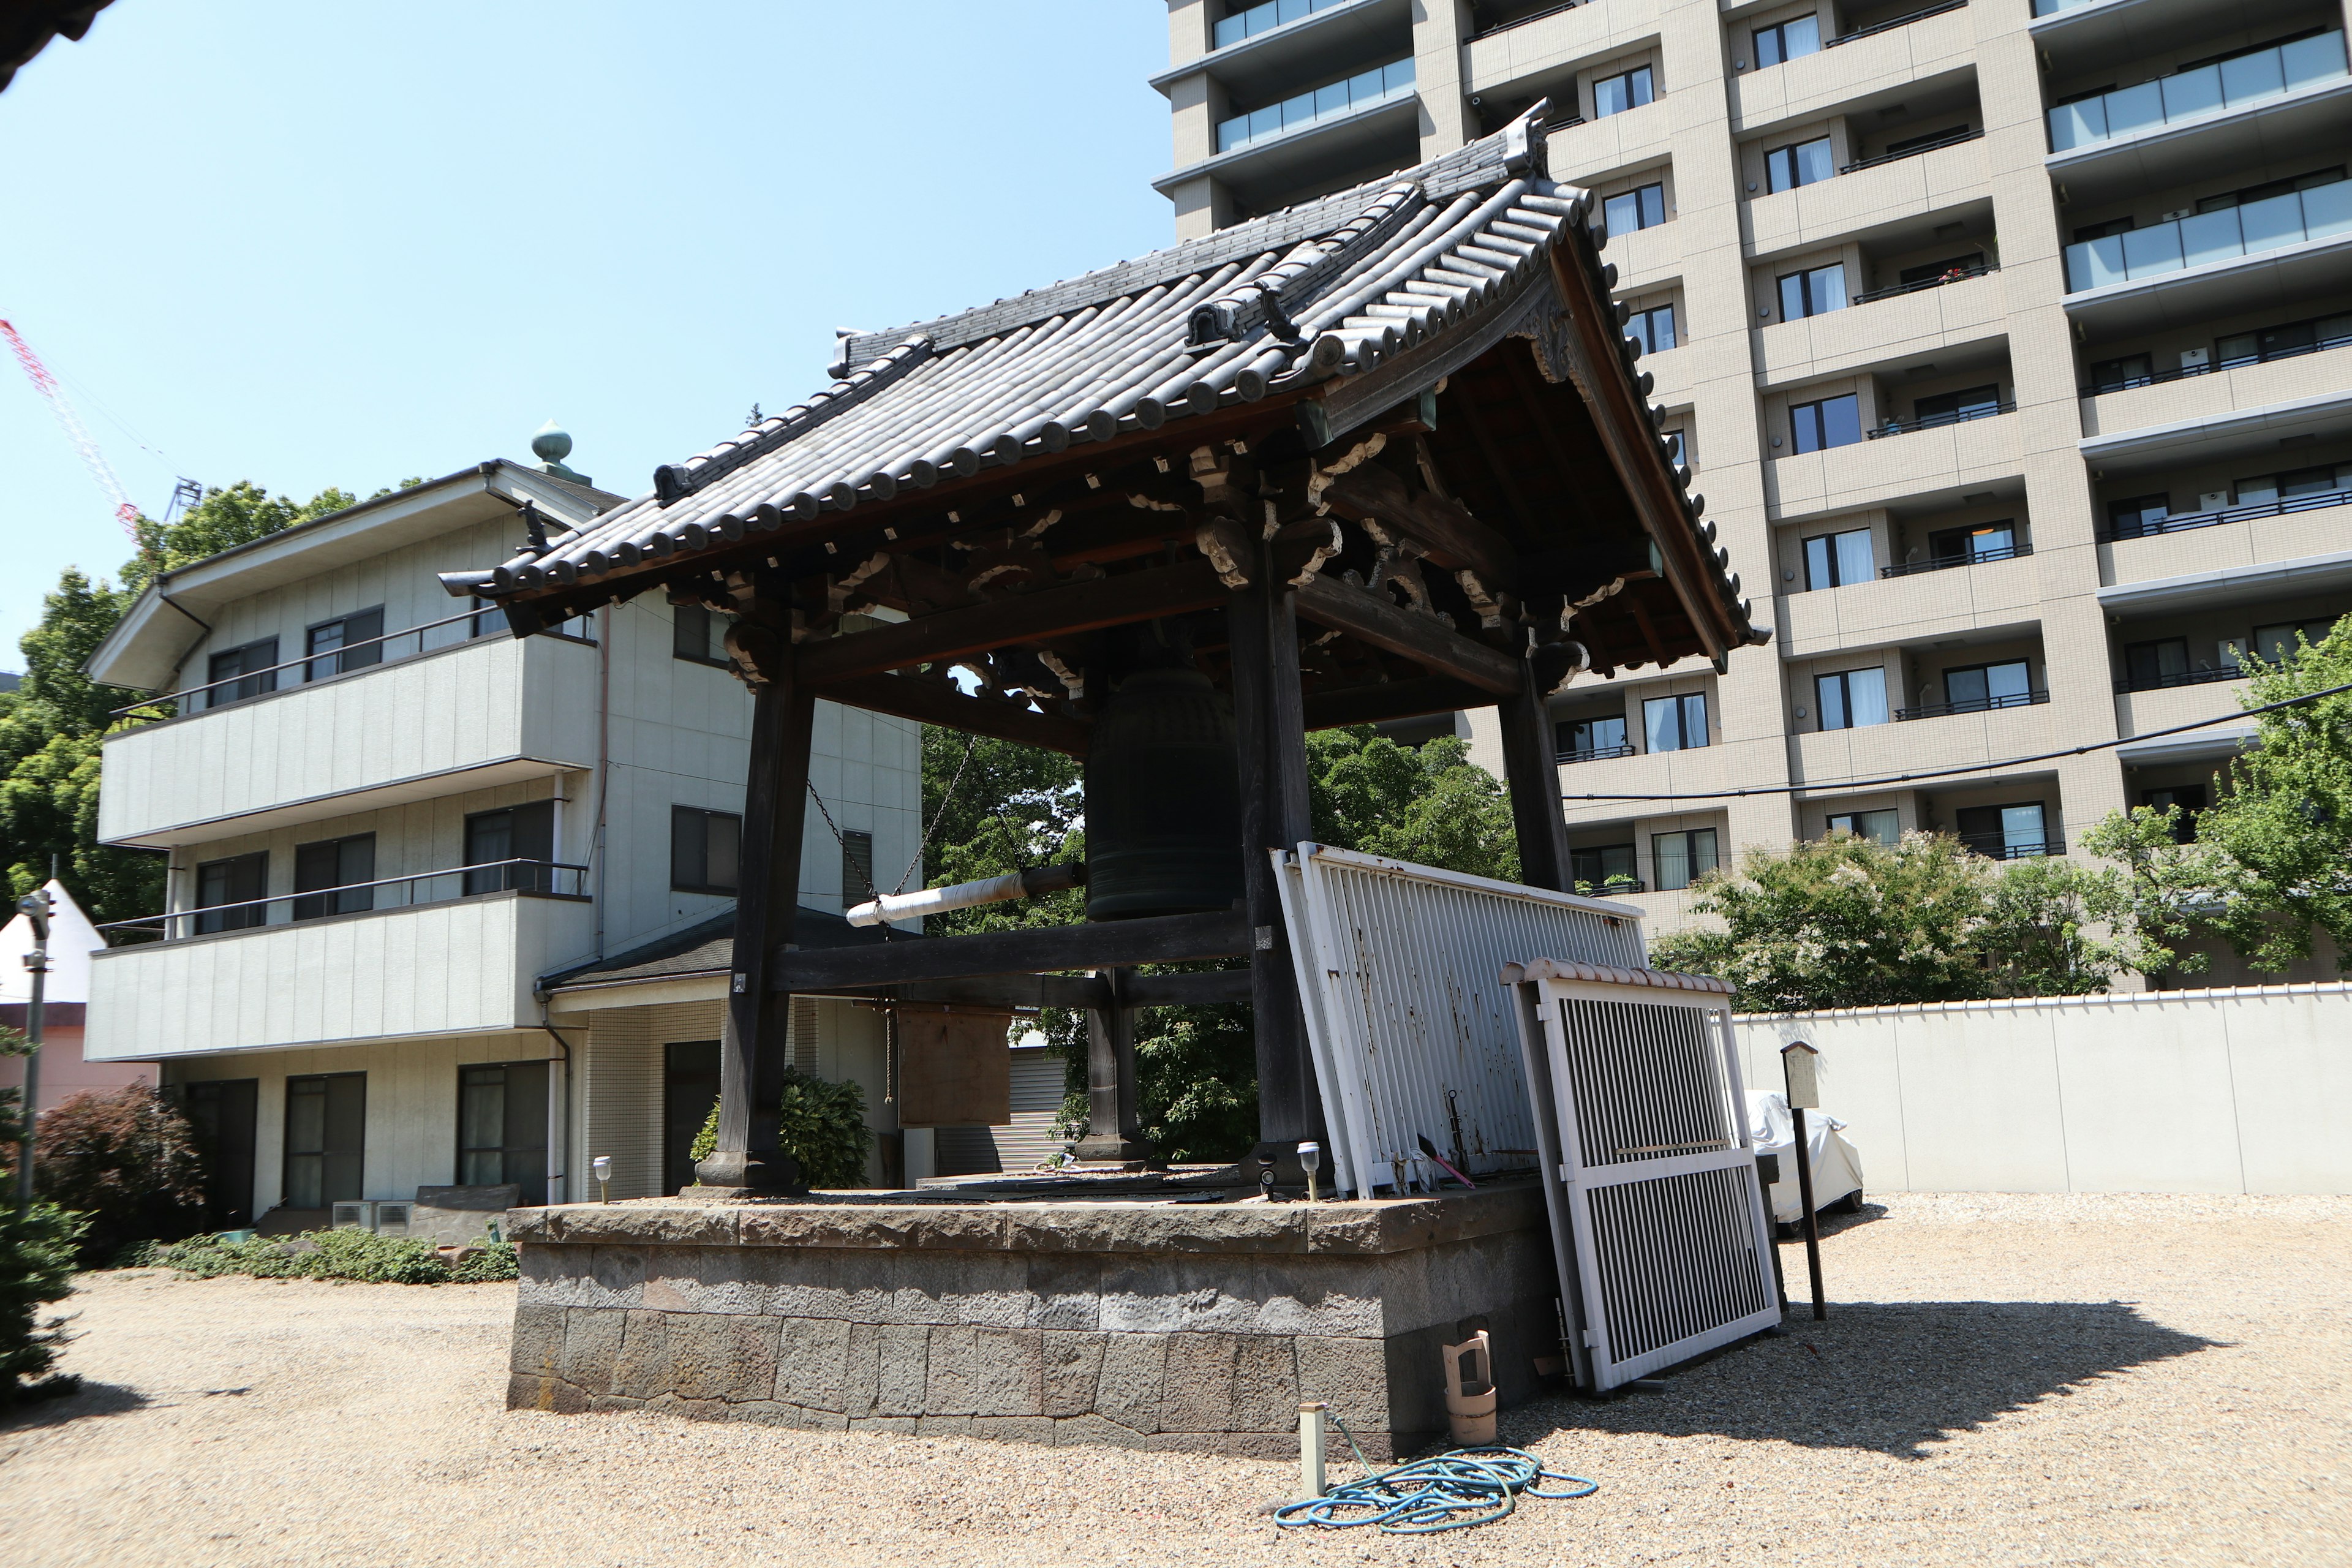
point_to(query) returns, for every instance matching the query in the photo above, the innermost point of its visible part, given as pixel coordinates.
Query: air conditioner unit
(359, 1212)
(2195, 359)
(2230, 651)
(2213, 500)
(392, 1218)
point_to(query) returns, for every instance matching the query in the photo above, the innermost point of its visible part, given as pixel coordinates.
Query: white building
(394, 833)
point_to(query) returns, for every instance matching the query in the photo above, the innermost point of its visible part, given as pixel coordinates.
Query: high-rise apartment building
(2011, 339)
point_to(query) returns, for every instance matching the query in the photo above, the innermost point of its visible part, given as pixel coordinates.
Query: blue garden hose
(1452, 1491)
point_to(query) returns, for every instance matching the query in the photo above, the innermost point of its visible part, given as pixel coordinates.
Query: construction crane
(46, 386)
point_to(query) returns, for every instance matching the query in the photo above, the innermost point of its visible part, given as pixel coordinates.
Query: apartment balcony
(2297, 528)
(1614, 141)
(1549, 39)
(1916, 46)
(1968, 454)
(1881, 191)
(1311, 139)
(1897, 322)
(2237, 392)
(2210, 264)
(1929, 743)
(2213, 695)
(486, 712)
(1700, 770)
(1923, 600)
(1257, 50)
(461, 967)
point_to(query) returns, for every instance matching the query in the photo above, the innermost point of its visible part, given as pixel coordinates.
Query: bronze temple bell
(1163, 792)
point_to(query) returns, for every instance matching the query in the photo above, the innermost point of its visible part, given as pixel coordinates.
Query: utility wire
(1824, 785)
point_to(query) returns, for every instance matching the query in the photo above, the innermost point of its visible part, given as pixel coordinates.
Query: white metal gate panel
(1411, 1034)
(1657, 1217)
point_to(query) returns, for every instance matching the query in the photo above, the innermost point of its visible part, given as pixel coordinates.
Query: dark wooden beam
(1505, 477)
(1199, 990)
(1061, 611)
(1650, 637)
(1531, 772)
(1382, 700)
(990, 991)
(1453, 538)
(1162, 939)
(1371, 617)
(934, 702)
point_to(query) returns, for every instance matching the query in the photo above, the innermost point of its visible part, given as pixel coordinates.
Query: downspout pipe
(558, 1183)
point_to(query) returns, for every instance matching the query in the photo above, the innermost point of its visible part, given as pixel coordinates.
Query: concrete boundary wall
(2241, 1090)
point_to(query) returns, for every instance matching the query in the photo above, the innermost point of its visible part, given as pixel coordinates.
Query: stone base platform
(1141, 1322)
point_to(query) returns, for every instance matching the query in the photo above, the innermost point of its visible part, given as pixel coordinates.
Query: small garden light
(1311, 1154)
(602, 1166)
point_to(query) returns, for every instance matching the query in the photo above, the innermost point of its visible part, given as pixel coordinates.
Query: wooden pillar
(1114, 1132)
(753, 1054)
(1531, 767)
(1269, 721)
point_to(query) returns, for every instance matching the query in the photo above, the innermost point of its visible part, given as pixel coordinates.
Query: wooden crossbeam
(1382, 700)
(934, 702)
(1454, 538)
(1163, 939)
(1328, 602)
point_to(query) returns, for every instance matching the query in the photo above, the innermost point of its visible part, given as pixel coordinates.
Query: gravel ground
(2001, 1380)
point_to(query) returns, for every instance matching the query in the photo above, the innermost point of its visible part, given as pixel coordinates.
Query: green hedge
(821, 1123)
(346, 1254)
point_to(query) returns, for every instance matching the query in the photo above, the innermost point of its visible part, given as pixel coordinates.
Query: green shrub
(126, 1159)
(822, 1125)
(346, 1254)
(37, 1264)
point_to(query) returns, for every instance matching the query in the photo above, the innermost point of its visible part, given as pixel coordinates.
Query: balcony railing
(1894, 21)
(1973, 705)
(2247, 513)
(2247, 229)
(2180, 677)
(1946, 563)
(1259, 18)
(1935, 421)
(1597, 754)
(1999, 846)
(1931, 145)
(2225, 84)
(551, 879)
(1609, 885)
(1523, 21)
(2322, 340)
(1382, 84)
(1956, 274)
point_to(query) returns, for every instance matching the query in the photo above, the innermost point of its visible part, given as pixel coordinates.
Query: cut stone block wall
(1160, 1326)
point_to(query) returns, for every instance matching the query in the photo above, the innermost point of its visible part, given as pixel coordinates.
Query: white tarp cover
(1837, 1164)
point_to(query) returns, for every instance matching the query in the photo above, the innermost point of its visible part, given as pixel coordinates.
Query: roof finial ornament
(550, 443)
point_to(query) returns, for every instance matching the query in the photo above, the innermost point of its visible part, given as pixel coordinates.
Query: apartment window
(502, 1127)
(1923, 143)
(1949, 269)
(347, 642)
(2003, 832)
(1830, 422)
(705, 851)
(1626, 90)
(1789, 40)
(1879, 826)
(1653, 329)
(2158, 662)
(1834, 560)
(337, 864)
(2106, 230)
(2268, 189)
(1682, 858)
(1674, 723)
(697, 635)
(1798, 163)
(1642, 208)
(1812, 292)
(514, 833)
(2189, 799)
(1584, 740)
(2283, 341)
(1973, 688)
(2137, 516)
(1852, 699)
(253, 661)
(2277, 644)
(1953, 407)
(1675, 454)
(326, 1139)
(2123, 374)
(237, 881)
(1602, 866)
(1983, 542)
(2326, 479)
(857, 867)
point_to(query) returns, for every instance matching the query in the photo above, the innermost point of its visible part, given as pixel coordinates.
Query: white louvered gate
(1657, 1218)
(1411, 1030)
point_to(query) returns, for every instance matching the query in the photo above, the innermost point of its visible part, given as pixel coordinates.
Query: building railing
(2180, 677)
(1973, 705)
(551, 879)
(1382, 84)
(1955, 274)
(1523, 21)
(2320, 344)
(2247, 229)
(1249, 24)
(1609, 885)
(1946, 563)
(1597, 754)
(1894, 21)
(1937, 421)
(2225, 84)
(1997, 846)
(1932, 145)
(2317, 501)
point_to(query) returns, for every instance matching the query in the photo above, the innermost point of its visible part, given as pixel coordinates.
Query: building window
(2160, 662)
(1836, 560)
(1682, 858)
(1953, 407)
(2189, 799)
(1973, 689)
(1653, 329)
(2138, 516)
(697, 635)
(1677, 453)
(1852, 699)
(705, 848)
(1586, 740)
(1830, 422)
(1607, 868)
(347, 642)
(326, 1139)
(1800, 163)
(1812, 292)
(1879, 826)
(256, 660)
(1626, 90)
(234, 882)
(502, 1127)
(1984, 542)
(1789, 40)
(2296, 485)
(338, 864)
(2005, 832)
(496, 840)
(2284, 342)
(857, 867)
(1674, 723)
(1642, 207)
(2278, 644)
(689, 1091)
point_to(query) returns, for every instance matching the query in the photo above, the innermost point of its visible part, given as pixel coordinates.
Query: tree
(37, 1261)
(126, 1160)
(1430, 803)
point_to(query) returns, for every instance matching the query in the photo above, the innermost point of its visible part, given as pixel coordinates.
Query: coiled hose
(1453, 1491)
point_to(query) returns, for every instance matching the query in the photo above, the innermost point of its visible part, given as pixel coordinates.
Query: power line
(1829, 785)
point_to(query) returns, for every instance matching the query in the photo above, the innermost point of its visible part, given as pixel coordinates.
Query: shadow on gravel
(90, 1399)
(1890, 1376)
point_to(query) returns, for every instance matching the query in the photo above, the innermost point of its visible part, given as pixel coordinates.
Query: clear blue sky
(313, 245)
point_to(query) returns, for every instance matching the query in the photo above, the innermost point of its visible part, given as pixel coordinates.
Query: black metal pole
(1812, 1219)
